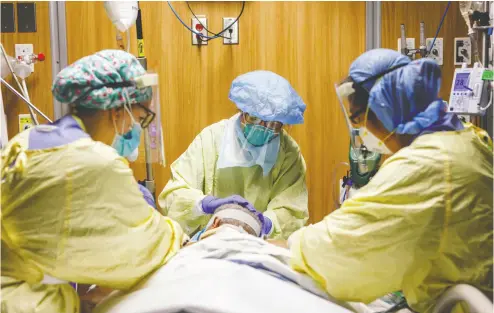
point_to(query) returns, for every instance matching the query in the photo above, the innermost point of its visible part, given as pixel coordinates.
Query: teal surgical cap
(102, 81)
(267, 96)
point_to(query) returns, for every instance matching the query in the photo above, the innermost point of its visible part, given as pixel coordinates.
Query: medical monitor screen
(461, 82)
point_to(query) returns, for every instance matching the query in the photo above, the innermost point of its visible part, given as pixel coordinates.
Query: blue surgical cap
(267, 96)
(405, 98)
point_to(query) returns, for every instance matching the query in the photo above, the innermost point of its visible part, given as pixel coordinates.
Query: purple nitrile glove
(210, 204)
(147, 196)
(267, 225)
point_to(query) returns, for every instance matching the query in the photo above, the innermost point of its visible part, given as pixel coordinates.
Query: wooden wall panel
(39, 83)
(310, 43)
(411, 13)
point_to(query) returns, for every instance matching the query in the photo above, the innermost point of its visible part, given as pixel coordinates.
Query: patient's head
(217, 222)
(236, 215)
(231, 216)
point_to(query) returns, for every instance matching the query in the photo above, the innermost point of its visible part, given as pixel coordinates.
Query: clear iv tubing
(336, 202)
(128, 40)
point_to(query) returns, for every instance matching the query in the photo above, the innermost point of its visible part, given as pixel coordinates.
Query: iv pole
(141, 57)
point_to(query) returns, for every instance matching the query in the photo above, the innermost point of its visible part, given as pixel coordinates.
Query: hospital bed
(246, 290)
(473, 298)
(219, 275)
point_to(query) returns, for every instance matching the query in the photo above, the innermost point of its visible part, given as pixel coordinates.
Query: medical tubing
(490, 101)
(335, 202)
(118, 38)
(439, 28)
(201, 35)
(128, 40)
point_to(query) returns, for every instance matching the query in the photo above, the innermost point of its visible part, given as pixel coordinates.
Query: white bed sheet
(206, 278)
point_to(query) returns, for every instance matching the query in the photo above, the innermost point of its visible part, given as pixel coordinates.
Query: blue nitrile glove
(209, 204)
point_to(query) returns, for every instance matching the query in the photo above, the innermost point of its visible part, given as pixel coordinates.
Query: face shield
(345, 92)
(151, 150)
(363, 162)
(249, 142)
(258, 132)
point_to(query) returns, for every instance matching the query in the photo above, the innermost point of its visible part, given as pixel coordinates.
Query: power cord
(438, 29)
(218, 35)
(205, 28)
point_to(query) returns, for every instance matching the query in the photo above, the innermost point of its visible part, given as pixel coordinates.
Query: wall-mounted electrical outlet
(231, 35)
(199, 25)
(436, 52)
(463, 51)
(24, 49)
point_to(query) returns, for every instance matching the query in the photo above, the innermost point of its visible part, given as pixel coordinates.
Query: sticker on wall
(410, 45)
(463, 51)
(25, 122)
(436, 52)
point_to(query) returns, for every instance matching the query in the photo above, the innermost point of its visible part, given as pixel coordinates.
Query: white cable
(24, 90)
(489, 104)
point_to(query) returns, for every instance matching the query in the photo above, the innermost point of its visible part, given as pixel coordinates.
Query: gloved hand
(210, 204)
(267, 225)
(147, 196)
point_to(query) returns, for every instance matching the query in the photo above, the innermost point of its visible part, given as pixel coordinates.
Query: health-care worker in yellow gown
(424, 222)
(71, 208)
(248, 159)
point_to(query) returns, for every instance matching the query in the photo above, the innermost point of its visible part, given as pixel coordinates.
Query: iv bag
(123, 14)
(478, 6)
(465, 7)
(5, 70)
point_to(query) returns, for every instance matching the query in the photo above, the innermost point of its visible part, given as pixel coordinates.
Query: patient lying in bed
(226, 267)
